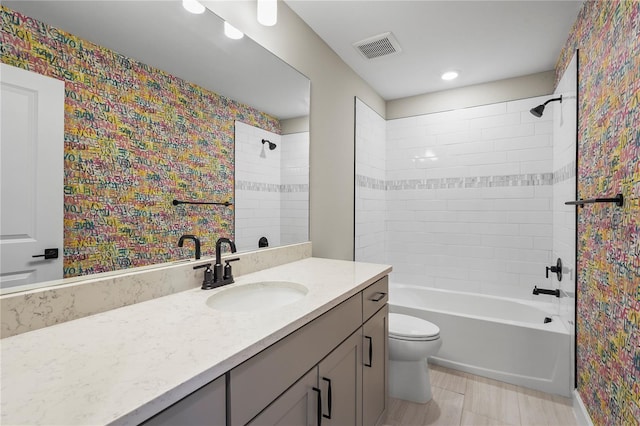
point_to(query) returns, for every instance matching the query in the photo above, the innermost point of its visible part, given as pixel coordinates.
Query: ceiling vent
(377, 46)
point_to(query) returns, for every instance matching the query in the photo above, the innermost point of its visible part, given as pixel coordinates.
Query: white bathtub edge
(580, 410)
(537, 383)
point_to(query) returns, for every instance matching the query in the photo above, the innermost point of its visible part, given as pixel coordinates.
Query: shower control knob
(557, 269)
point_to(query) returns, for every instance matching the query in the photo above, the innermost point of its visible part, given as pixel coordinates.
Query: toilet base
(410, 381)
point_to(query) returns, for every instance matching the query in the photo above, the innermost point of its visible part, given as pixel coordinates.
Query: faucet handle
(228, 275)
(204, 265)
(208, 282)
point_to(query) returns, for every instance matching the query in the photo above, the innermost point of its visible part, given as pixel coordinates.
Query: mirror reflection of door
(31, 157)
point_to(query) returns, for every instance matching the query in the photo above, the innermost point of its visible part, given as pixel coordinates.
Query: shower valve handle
(557, 269)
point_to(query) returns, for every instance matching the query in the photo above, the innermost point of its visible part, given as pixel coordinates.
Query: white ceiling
(483, 40)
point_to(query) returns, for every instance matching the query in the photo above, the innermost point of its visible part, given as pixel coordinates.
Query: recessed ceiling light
(232, 32)
(449, 75)
(193, 6)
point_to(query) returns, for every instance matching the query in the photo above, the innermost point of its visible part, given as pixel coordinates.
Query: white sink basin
(259, 296)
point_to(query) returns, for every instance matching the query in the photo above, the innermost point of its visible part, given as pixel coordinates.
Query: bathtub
(500, 338)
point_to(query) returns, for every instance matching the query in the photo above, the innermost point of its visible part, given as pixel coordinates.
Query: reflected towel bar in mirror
(618, 199)
(226, 203)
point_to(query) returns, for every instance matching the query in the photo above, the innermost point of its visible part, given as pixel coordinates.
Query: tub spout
(537, 291)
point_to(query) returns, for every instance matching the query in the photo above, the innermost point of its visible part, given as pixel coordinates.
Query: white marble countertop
(125, 365)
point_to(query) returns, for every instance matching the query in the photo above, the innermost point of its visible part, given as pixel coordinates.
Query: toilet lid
(408, 327)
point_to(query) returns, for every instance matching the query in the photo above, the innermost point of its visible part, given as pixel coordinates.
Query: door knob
(50, 253)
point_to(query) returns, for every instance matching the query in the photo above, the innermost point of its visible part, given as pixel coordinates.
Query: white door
(31, 168)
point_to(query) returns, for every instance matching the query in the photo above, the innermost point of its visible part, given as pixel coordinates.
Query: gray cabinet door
(297, 406)
(206, 406)
(340, 382)
(375, 365)
(257, 382)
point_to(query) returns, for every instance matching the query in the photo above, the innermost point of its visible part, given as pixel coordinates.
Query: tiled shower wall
(467, 197)
(294, 189)
(370, 188)
(257, 187)
(565, 116)
(272, 187)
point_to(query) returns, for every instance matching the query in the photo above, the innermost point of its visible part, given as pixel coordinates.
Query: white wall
(370, 205)
(257, 198)
(294, 188)
(471, 96)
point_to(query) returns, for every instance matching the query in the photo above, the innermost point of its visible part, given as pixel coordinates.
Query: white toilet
(411, 341)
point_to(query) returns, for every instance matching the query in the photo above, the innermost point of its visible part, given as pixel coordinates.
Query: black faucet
(220, 275)
(195, 240)
(537, 291)
(223, 275)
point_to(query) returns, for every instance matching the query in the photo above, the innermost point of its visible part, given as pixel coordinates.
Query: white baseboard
(580, 411)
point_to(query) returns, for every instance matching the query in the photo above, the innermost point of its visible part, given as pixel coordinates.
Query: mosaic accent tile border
(565, 172)
(371, 183)
(294, 187)
(271, 187)
(536, 179)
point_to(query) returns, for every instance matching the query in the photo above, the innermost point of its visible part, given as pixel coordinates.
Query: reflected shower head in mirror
(539, 110)
(272, 145)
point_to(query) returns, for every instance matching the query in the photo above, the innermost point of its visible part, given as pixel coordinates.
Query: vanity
(320, 359)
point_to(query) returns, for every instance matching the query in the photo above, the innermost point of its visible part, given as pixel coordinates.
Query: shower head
(539, 110)
(272, 145)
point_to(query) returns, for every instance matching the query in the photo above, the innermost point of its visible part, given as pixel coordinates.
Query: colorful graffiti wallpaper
(135, 138)
(608, 327)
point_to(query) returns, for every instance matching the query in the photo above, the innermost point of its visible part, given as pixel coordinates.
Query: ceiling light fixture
(193, 6)
(268, 12)
(449, 75)
(232, 32)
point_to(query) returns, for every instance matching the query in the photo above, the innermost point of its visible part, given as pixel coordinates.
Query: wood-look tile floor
(467, 400)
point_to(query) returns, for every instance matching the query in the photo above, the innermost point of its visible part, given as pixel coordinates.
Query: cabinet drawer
(261, 379)
(374, 297)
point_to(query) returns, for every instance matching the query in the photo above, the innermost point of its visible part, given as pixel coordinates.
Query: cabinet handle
(319, 410)
(377, 296)
(328, 416)
(370, 351)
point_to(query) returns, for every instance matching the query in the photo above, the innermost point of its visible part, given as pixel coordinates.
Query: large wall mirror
(159, 105)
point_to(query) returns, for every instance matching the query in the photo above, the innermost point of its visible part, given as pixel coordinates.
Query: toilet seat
(406, 327)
